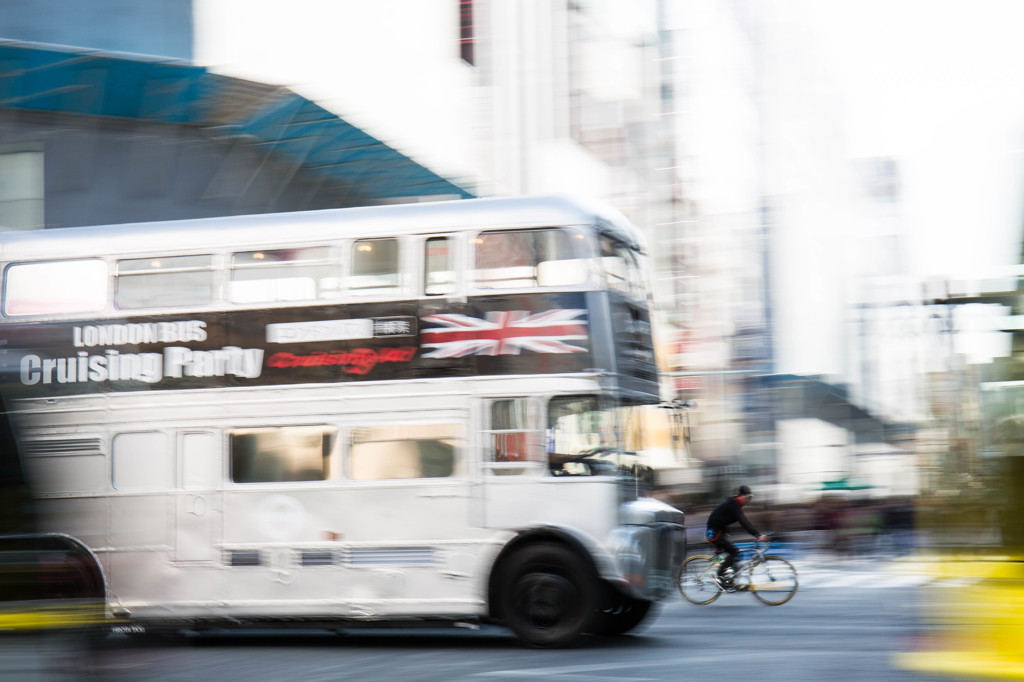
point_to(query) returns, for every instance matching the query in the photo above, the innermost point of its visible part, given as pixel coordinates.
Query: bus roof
(311, 226)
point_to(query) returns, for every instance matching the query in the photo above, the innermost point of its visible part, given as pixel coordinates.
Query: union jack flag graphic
(504, 333)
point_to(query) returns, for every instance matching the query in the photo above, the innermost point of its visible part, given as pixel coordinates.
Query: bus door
(197, 508)
(513, 461)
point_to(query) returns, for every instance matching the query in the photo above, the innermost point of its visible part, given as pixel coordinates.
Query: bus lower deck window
(514, 436)
(281, 454)
(404, 451)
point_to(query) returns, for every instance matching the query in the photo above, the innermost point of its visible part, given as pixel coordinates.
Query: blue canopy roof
(95, 83)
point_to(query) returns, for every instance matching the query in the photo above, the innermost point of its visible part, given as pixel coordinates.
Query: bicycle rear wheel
(695, 579)
(773, 580)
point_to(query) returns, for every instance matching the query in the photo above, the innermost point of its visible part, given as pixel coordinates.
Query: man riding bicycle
(724, 515)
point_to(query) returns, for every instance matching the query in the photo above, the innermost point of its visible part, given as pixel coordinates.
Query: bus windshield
(589, 438)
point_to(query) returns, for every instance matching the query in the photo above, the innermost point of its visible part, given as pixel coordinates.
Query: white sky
(935, 83)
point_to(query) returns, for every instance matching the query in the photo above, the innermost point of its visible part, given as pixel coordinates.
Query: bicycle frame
(744, 565)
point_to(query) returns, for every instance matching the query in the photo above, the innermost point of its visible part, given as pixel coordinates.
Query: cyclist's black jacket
(728, 513)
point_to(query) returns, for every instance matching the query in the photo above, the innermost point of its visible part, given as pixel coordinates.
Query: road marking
(827, 579)
(909, 580)
(855, 580)
(683, 661)
(956, 582)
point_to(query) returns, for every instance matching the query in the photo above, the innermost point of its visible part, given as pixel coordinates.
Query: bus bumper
(647, 547)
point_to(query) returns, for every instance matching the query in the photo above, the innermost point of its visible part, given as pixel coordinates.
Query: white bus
(411, 414)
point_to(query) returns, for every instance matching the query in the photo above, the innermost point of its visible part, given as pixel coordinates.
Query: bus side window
(504, 259)
(404, 451)
(141, 461)
(527, 258)
(514, 437)
(438, 268)
(267, 276)
(281, 454)
(160, 282)
(199, 461)
(70, 286)
(374, 266)
(559, 261)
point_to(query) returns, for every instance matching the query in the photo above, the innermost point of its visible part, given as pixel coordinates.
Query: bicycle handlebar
(762, 547)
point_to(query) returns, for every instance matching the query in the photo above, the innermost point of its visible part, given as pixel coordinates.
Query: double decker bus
(409, 414)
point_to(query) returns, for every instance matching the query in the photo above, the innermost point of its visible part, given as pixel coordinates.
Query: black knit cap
(743, 490)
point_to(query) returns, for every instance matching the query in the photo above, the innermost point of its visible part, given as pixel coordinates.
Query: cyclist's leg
(724, 544)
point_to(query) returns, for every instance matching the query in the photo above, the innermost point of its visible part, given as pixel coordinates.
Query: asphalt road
(843, 624)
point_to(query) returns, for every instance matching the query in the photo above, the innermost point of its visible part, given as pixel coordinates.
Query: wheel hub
(545, 599)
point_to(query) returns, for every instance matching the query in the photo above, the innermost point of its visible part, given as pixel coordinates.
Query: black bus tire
(549, 595)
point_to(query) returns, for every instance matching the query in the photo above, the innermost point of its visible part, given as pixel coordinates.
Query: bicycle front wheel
(773, 580)
(695, 579)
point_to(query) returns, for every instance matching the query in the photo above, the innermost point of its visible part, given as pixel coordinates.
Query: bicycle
(769, 577)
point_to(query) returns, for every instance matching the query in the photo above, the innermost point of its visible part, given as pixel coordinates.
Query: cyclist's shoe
(725, 582)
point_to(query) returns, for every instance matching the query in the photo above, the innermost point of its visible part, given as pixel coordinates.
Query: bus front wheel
(549, 596)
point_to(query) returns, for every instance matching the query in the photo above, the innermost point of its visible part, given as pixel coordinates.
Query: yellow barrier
(31, 618)
(976, 618)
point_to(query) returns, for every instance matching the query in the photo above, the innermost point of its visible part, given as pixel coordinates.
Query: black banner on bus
(493, 335)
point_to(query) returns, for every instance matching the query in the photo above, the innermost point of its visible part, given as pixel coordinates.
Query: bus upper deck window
(527, 258)
(54, 287)
(374, 265)
(558, 258)
(270, 275)
(160, 282)
(438, 270)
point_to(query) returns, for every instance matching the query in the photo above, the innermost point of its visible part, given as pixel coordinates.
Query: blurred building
(494, 98)
(800, 264)
(155, 27)
(89, 135)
